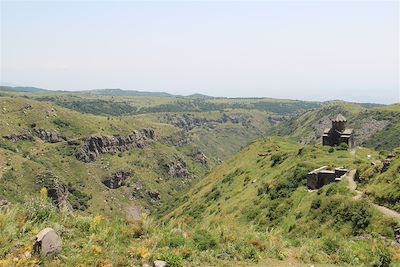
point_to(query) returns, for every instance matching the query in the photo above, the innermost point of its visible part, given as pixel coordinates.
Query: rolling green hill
(215, 195)
(263, 188)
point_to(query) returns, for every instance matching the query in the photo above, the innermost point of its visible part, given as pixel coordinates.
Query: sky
(310, 50)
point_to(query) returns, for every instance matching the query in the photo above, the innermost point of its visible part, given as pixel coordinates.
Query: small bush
(343, 146)
(382, 256)
(204, 240)
(173, 241)
(172, 259)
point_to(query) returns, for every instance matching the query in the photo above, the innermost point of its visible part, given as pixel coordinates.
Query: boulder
(117, 179)
(159, 263)
(47, 243)
(154, 195)
(3, 202)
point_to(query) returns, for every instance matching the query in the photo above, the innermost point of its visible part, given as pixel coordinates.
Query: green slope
(268, 194)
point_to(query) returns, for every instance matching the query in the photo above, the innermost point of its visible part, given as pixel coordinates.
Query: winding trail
(352, 185)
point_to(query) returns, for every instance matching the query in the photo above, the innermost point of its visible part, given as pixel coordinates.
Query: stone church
(338, 133)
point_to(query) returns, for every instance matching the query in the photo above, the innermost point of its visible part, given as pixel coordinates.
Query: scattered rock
(177, 168)
(154, 195)
(159, 263)
(47, 243)
(97, 145)
(3, 202)
(51, 113)
(18, 137)
(200, 157)
(27, 108)
(117, 179)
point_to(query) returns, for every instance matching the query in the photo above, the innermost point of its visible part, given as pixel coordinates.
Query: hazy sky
(314, 50)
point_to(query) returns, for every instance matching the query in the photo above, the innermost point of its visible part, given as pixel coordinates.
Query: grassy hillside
(384, 186)
(376, 127)
(99, 241)
(119, 102)
(268, 194)
(27, 165)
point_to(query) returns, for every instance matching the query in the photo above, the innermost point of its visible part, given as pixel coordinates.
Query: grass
(268, 193)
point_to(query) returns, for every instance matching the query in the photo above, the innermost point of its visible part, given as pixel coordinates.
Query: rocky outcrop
(154, 196)
(48, 136)
(178, 139)
(387, 162)
(47, 243)
(200, 157)
(97, 145)
(188, 121)
(18, 137)
(117, 179)
(177, 168)
(57, 191)
(369, 127)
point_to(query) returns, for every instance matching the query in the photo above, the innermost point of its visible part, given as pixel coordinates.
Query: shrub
(204, 240)
(172, 259)
(276, 159)
(61, 123)
(331, 150)
(173, 241)
(343, 146)
(382, 256)
(330, 245)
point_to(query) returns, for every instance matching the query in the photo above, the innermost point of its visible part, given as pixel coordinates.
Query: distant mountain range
(99, 92)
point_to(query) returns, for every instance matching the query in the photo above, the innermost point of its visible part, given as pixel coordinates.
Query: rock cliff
(97, 145)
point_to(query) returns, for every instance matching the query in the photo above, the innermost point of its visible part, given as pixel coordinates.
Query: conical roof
(340, 118)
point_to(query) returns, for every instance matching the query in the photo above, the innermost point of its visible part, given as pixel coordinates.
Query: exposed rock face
(47, 243)
(189, 121)
(48, 136)
(177, 140)
(117, 179)
(56, 190)
(18, 137)
(177, 168)
(369, 127)
(97, 145)
(200, 157)
(387, 162)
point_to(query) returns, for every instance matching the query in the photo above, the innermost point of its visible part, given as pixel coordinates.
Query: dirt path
(352, 185)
